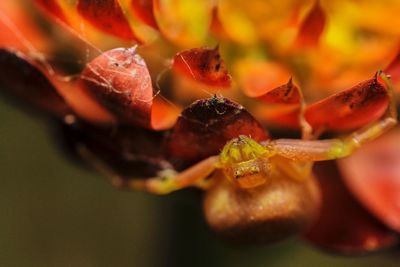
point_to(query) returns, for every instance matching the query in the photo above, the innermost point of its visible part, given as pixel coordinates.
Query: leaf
(107, 16)
(206, 126)
(344, 225)
(203, 65)
(120, 81)
(25, 82)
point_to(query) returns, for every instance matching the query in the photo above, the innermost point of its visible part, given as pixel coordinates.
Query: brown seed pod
(271, 212)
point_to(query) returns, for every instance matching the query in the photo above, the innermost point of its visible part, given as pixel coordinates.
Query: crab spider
(260, 191)
(249, 164)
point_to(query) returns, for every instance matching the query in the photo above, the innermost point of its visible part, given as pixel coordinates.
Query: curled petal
(288, 94)
(373, 175)
(351, 108)
(344, 225)
(143, 10)
(107, 16)
(22, 79)
(203, 65)
(205, 126)
(120, 81)
(283, 105)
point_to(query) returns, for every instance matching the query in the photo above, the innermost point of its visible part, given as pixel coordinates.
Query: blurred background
(55, 213)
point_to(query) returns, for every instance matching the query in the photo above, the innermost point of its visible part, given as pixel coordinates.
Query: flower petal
(257, 77)
(351, 108)
(344, 225)
(120, 81)
(373, 174)
(203, 65)
(21, 78)
(52, 8)
(107, 16)
(143, 10)
(205, 126)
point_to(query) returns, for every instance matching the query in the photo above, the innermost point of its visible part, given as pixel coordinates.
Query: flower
(114, 118)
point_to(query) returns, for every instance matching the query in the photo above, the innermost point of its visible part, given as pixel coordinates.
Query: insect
(256, 188)
(262, 190)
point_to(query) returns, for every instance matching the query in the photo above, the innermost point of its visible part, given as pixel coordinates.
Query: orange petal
(259, 77)
(107, 16)
(203, 65)
(282, 105)
(19, 29)
(351, 108)
(285, 94)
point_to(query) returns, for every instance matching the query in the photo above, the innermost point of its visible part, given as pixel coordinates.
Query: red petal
(351, 108)
(344, 225)
(312, 27)
(216, 26)
(107, 16)
(53, 8)
(205, 126)
(283, 105)
(120, 81)
(143, 10)
(203, 65)
(373, 175)
(23, 79)
(288, 94)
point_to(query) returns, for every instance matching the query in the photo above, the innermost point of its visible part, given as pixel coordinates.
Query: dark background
(55, 213)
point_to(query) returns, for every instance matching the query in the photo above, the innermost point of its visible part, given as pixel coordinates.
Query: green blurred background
(55, 213)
